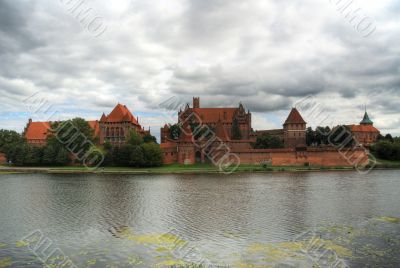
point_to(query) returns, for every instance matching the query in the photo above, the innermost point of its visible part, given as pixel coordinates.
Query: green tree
(341, 136)
(9, 139)
(310, 136)
(267, 141)
(134, 138)
(389, 137)
(153, 155)
(236, 133)
(137, 157)
(33, 156)
(174, 131)
(385, 149)
(62, 157)
(149, 138)
(124, 155)
(18, 154)
(75, 135)
(49, 154)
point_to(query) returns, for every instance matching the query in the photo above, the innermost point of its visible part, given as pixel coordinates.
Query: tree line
(68, 140)
(387, 147)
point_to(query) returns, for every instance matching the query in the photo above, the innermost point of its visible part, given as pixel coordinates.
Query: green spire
(366, 120)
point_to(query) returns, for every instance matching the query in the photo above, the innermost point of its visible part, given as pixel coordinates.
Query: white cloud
(266, 54)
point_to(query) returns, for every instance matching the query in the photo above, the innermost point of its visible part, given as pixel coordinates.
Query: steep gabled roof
(294, 117)
(103, 118)
(212, 115)
(120, 114)
(94, 124)
(37, 130)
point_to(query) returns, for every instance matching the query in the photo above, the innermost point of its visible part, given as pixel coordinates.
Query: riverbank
(177, 169)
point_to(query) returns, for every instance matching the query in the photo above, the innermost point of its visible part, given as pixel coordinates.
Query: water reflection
(222, 216)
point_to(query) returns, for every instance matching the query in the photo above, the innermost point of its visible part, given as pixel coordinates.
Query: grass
(165, 169)
(381, 163)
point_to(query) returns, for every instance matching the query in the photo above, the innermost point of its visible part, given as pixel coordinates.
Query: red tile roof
(37, 130)
(295, 117)
(363, 128)
(120, 114)
(94, 124)
(213, 115)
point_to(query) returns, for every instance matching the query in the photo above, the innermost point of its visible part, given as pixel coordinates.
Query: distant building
(294, 130)
(113, 128)
(221, 118)
(365, 133)
(220, 123)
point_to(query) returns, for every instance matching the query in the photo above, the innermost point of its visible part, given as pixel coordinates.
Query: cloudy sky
(83, 57)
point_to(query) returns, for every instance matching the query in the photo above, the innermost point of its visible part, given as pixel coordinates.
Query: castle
(113, 128)
(208, 134)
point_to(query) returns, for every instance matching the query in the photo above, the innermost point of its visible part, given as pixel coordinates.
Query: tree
(49, 154)
(149, 138)
(267, 141)
(75, 135)
(33, 156)
(18, 154)
(137, 157)
(153, 155)
(236, 133)
(62, 157)
(174, 131)
(389, 137)
(134, 138)
(124, 155)
(9, 139)
(310, 136)
(385, 149)
(341, 136)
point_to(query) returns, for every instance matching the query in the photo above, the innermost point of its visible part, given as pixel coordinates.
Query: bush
(153, 155)
(387, 150)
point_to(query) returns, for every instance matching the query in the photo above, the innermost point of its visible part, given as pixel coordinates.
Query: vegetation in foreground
(71, 140)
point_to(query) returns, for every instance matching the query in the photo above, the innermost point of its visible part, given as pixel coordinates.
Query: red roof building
(294, 130)
(36, 132)
(113, 128)
(365, 133)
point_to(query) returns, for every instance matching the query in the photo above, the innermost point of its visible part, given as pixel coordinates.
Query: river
(304, 219)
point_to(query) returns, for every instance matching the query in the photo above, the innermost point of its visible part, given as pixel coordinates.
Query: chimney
(196, 102)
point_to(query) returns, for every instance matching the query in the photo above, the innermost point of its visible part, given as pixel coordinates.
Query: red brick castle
(113, 128)
(222, 139)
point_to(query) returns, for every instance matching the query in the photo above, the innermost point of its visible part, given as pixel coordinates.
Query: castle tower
(294, 130)
(196, 102)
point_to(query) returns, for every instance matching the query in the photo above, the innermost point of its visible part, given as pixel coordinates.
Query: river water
(310, 219)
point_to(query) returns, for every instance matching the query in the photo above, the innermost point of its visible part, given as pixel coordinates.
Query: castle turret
(294, 130)
(366, 121)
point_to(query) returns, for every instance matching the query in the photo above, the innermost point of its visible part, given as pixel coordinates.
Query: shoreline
(205, 169)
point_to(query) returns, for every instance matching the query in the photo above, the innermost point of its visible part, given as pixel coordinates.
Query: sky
(329, 58)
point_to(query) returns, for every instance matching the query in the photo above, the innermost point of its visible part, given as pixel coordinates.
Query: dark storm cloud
(14, 27)
(265, 54)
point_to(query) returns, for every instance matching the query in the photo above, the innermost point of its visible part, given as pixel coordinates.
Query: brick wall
(3, 158)
(328, 157)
